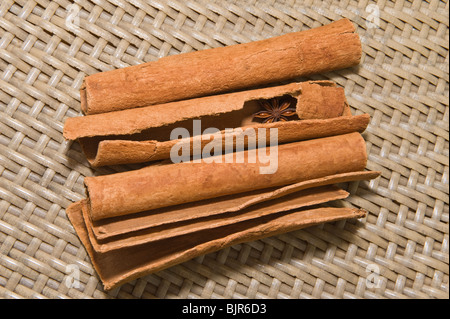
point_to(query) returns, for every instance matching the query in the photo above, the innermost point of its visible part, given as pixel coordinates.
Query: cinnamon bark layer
(218, 70)
(143, 135)
(308, 197)
(111, 227)
(117, 267)
(161, 186)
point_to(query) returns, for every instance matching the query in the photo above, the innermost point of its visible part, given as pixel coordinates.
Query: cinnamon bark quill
(319, 109)
(195, 74)
(154, 187)
(118, 267)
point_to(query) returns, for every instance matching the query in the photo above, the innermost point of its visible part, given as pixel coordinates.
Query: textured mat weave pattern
(399, 251)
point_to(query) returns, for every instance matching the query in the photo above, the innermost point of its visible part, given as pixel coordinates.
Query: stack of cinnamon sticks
(226, 162)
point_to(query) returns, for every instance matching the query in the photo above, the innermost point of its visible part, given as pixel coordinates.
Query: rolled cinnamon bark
(105, 229)
(225, 69)
(167, 185)
(308, 197)
(117, 267)
(143, 135)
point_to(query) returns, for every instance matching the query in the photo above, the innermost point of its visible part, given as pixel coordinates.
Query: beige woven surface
(399, 251)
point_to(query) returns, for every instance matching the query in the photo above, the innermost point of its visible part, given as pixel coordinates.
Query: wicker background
(46, 49)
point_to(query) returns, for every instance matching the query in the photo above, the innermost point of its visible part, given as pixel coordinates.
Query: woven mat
(399, 251)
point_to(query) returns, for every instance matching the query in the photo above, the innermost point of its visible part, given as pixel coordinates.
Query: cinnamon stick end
(360, 213)
(83, 99)
(350, 29)
(70, 130)
(365, 120)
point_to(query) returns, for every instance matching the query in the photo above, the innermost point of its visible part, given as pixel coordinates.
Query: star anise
(275, 110)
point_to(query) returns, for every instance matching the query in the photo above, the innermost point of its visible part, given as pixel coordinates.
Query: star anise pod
(275, 110)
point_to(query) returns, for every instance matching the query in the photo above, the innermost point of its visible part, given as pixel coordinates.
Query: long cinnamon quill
(117, 267)
(160, 186)
(143, 134)
(184, 76)
(108, 228)
(308, 197)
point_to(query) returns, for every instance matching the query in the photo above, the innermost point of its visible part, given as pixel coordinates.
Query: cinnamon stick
(117, 267)
(143, 135)
(308, 197)
(105, 229)
(225, 69)
(161, 186)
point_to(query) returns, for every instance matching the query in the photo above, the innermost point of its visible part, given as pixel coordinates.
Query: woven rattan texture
(399, 251)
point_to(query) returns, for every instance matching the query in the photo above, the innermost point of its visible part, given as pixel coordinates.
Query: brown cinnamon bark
(161, 186)
(117, 267)
(143, 135)
(309, 197)
(225, 69)
(107, 228)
